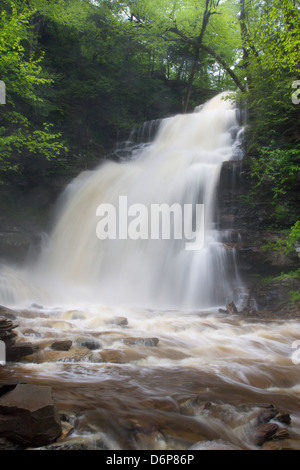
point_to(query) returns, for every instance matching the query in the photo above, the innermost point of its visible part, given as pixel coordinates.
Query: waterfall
(179, 169)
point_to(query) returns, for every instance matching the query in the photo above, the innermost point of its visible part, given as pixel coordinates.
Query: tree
(21, 137)
(271, 45)
(194, 24)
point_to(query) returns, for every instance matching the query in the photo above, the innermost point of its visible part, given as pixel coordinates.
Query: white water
(182, 166)
(165, 292)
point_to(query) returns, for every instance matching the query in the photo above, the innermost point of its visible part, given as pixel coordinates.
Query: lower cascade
(158, 246)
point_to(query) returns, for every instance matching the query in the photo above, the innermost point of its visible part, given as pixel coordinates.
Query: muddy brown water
(199, 386)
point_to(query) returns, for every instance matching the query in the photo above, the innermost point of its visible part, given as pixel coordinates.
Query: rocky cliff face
(246, 230)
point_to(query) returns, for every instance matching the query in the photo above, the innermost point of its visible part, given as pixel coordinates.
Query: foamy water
(135, 394)
(166, 370)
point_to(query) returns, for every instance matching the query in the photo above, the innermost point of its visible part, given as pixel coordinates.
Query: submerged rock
(150, 342)
(117, 356)
(121, 321)
(91, 442)
(89, 343)
(72, 355)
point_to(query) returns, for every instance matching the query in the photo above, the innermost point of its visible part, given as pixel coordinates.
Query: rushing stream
(153, 364)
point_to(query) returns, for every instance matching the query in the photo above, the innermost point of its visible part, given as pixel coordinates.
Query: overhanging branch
(222, 62)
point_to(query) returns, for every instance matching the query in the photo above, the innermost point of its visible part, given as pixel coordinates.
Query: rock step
(15, 352)
(28, 415)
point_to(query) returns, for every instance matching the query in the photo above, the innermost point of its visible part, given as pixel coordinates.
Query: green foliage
(278, 166)
(294, 237)
(295, 296)
(272, 63)
(284, 276)
(21, 134)
(80, 73)
(278, 245)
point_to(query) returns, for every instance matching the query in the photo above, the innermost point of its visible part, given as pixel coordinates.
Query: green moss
(278, 245)
(294, 296)
(283, 277)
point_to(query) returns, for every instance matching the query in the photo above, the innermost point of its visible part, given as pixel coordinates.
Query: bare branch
(222, 62)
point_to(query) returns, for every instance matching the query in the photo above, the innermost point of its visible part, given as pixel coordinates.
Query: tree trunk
(225, 67)
(244, 35)
(186, 99)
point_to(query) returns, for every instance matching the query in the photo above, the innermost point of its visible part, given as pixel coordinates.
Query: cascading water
(182, 167)
(153, 364)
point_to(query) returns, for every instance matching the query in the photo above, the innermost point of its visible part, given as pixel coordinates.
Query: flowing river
(153, 364)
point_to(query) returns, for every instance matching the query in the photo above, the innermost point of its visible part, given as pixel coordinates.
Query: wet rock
(37, 306)
(282, 433)
(266, 414)
(121, 321)
(92, 442)
(73, 355)
(13, 351)
(114, 356)
(8, 313)
(16, 352)
(68, 416)
(7, 387)
(117, 356)
(160, 403)
(251, 312)
(67, 429)
(280, 445)
(31, 332)
(6, 330)
(6, 444)
(284, 418)
(29, 416)
(89, 343)
(231, 308)
(61, 345)
(187, 406)
(149, 342)
(264, 432)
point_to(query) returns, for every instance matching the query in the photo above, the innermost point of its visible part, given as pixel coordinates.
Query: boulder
(284, 418)
(8, 313)
(231, 308)
(264, 432)
(61, 345)
(29, 416)
(89, 343)
(15, 352)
